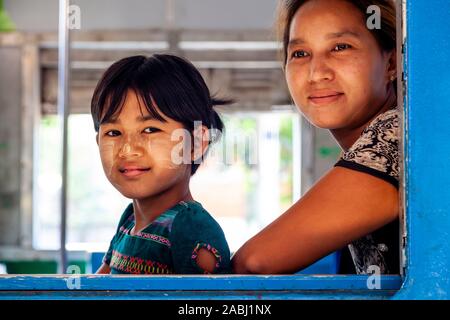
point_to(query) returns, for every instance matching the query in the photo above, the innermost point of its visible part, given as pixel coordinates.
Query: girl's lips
(133, 172)
(325, 99)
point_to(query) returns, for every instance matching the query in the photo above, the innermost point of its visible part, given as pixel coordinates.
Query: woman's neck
(148, 209)
(347, 137)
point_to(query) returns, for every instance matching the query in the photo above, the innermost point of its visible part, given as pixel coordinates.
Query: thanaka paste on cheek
(107, 156)
(162, 153)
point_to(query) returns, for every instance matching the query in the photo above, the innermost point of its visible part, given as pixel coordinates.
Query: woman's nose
(319, 70)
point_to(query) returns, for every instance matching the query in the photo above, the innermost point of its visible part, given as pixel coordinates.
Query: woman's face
(336, 73)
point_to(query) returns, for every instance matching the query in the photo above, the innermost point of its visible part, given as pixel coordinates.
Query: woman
(341, 76)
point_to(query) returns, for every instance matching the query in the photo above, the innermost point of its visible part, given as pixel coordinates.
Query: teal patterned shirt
(170, 244)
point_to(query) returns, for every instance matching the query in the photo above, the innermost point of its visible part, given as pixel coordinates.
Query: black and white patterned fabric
(376, 152)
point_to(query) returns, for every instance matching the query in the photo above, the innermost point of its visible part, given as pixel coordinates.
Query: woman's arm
(104, 269)
(342, 206)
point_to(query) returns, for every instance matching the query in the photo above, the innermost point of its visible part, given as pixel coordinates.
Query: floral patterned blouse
(376, 152)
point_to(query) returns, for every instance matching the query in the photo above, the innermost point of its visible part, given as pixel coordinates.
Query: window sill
(197, 287)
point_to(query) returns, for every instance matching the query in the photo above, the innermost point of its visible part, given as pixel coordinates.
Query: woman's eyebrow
(343, 34)
(333, 35)
(295, 41)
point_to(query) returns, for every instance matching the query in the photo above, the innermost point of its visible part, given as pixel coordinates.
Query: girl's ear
(200, 143)
(96, 138)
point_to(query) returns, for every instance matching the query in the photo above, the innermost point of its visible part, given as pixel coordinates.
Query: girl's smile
(131, 171)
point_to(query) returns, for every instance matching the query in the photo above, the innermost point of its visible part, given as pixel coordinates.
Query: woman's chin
(324, 123)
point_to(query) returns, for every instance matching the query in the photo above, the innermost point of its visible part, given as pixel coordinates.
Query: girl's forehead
(134, 111)
(134, 106)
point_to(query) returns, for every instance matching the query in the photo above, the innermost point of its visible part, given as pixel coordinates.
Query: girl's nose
(130, 150)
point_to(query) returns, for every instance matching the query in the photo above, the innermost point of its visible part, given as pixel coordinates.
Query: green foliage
(6, 24)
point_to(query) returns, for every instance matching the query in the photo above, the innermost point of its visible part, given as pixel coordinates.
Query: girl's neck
(148, 209)
(347, 137)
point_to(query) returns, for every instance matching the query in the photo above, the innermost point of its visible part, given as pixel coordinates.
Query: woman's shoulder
(387, 120)
(380, 136)
(376, 151)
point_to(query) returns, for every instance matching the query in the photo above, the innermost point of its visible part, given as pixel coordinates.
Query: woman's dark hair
(385, 36)
(165, 82)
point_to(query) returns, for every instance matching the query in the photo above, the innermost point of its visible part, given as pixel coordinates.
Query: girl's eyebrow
(110, 121)
(139, 119)
(145, 118)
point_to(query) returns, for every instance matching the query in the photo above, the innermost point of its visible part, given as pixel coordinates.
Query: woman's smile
(324, 97)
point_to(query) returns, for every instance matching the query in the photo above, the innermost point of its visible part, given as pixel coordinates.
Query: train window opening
(251, 202)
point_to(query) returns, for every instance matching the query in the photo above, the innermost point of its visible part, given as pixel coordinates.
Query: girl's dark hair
(385, 36)
(169, 83)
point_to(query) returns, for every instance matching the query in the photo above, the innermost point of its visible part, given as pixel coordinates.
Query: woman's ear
(200, 143)
(96, 138)
(391, 70)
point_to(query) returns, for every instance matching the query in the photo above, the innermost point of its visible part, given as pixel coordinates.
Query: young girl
(341, 76)
(149, 112)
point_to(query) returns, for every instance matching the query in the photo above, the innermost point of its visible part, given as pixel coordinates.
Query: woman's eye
(112, 133)
(151, 130)
(299, 54)
(341, 46)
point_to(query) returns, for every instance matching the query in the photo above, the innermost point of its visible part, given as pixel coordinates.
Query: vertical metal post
(173, 34)
(401, 102)
(307, 154)
(427, 141)
(63, 113)
(296, 157)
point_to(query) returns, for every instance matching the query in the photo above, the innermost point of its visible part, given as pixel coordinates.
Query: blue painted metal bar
(427, 155)
(215, 283)
(197, 295)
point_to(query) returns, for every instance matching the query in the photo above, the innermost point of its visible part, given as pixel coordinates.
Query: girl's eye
(151, 130)
(299, 54)
(341, 46)
(112, 133)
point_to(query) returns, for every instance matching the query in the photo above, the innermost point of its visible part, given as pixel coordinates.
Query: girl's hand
(104, 269)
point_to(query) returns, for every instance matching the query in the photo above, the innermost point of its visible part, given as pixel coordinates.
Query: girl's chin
(135, 194)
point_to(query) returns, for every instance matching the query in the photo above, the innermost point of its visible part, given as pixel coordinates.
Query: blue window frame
(427, 251)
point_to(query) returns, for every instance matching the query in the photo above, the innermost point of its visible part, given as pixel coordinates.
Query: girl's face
(137, 152)
(336, 73)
